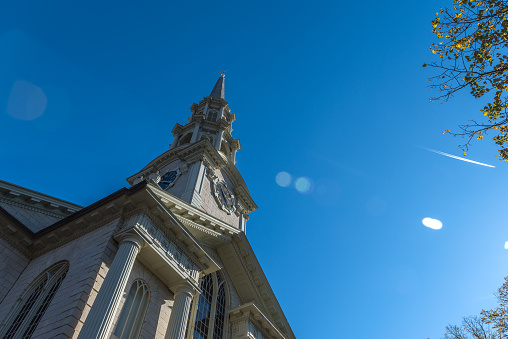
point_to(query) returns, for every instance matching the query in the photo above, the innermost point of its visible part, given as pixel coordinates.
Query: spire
(218, 89)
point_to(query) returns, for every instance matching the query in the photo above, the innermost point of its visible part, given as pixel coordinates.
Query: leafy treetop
(491, 324)
(472, 47)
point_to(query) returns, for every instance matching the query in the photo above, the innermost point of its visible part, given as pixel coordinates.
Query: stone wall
(89, 258)
(159, 308)
(12, 263)
(210, 205)
(181, 182)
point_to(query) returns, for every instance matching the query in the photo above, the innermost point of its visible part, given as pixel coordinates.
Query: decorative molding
(163, 238)
(34, 208)
(203, 229)
(258, 281)
(29, 197)
(184, 211)
(249, 322)
(216, 187)
(77, 234)
(204, 151)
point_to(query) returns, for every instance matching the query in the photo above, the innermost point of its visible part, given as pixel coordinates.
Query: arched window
(133, 312)
(209, 309)
(33, 304)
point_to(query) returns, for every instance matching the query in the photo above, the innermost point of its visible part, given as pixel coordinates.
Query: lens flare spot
(506, 245)
(432, 223)
(303, 185)
(283, 179)
(27, 101)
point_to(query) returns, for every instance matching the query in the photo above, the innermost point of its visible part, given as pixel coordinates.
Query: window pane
(36, 301)
(133, 312)
(43, 307)
(201, 324)
(24, 310)
(220, 311)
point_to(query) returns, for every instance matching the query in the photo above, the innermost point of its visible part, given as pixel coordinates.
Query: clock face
(168, 179)
(225, 197)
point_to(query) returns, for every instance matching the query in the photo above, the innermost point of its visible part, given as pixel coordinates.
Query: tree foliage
(472, 47)
(491, 324)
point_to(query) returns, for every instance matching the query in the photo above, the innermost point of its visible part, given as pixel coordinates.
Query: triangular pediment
(212, 158)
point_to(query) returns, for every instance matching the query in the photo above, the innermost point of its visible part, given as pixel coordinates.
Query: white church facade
(166, 257)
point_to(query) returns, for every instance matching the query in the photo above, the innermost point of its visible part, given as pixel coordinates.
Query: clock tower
(199, 168)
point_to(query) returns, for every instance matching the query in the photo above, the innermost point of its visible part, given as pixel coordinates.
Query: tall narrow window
(34, 303)
(210, 311)
(220, 312)
(133, 312)
(201, 324)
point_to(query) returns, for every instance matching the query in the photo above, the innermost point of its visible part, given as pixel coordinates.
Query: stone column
(175, 140)
(180, 313)
(195, 133)
(99, 320)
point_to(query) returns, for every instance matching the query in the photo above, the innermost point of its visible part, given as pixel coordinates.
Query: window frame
(213, 309)
(47, 279)
(142, 315)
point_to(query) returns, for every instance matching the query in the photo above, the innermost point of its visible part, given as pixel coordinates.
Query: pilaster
(192, 192)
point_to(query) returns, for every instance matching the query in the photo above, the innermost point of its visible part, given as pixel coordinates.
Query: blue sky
(332, 91)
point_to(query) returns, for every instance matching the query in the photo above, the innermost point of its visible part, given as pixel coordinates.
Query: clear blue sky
(329, 90)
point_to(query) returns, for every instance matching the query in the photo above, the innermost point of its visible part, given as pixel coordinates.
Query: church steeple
(218, 89)
(199, 168)
(210, 119)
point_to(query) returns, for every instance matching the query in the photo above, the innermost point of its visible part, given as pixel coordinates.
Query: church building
(166, 257)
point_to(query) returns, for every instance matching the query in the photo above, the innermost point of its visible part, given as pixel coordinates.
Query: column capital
(187, 287)
(132, 237)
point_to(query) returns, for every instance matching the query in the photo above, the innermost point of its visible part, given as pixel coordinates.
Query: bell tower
(210, 119)
(199, 167)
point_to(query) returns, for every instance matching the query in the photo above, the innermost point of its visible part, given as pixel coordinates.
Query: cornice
(28, 197)
(173, 224)
(260, 283)
(202, 150)
(33, 208)
(194, 217)
(193, 256)
(203, 229)
(214, 100)
(250, 311)
(71, 227)
(177, 129)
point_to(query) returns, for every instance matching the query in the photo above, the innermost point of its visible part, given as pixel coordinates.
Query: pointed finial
(223, 73)
(218, 89)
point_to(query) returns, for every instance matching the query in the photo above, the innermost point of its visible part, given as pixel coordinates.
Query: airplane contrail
(456, 157)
